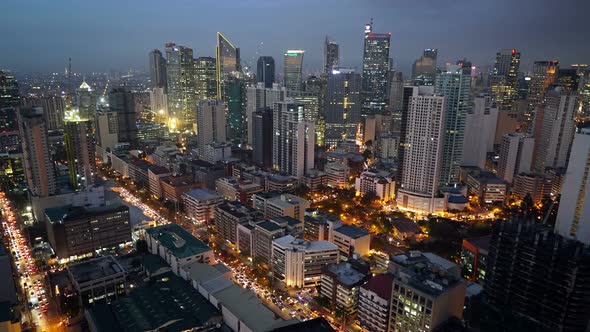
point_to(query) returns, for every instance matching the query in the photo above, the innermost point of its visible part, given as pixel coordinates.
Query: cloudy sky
(39, 35)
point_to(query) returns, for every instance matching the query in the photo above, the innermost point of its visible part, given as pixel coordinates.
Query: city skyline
(85, 31)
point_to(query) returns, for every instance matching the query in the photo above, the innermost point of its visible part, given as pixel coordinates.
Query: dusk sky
(40, 35)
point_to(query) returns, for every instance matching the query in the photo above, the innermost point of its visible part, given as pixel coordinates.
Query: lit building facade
(375, 68)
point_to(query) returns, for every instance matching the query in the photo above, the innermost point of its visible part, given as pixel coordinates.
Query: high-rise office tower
(573, 216)
(423, 152)
(265, 71)
(86, 101)
(293, 67)
(569, 78)
(180, 87)
(317, 86)
(157, 70)
(211, 121)
(235, 98)
(228, 63)
(516, 155)
(259, 98)
(538, 276)
(9, 95)
(557, 128)
(375, 68)
(262, 138)
(504, 78)
(293, 140)
(53, 109)
(159, 104)
(480, 131)
(507, 64)
(544, 74)
(39, 169)
(80, 149)
(9, 136)
(331, 55)
(122, 103)
(343, 106)
(455, 84)
(395, 89)
(424, 69)
(107, 129)
(205, 78)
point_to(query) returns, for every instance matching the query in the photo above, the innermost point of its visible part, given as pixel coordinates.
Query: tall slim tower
(122, 103)
(504, 78)
(294, 139)
(181, 87)
(424, 143)
(205, 78)
(37, 159)
(375, 68)
(86, 101)
(80, 149)
(424, 69)
(9, 95)
(294, 70)
(331, 55)
(455, 84)
(343, 106)
(259, 98)
(157, 69)
(265, 71)
(212, 123)
(544, 74)
(228, 63)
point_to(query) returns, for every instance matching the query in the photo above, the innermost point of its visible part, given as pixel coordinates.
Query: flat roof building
(96, 280)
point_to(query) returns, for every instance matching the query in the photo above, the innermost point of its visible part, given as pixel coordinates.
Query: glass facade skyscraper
(265, 71)
(157, 70)
(228, 62)
(343, 106)
(181, 87)
(331, 55)
(205, 78)
(375, 68)
(294, 69)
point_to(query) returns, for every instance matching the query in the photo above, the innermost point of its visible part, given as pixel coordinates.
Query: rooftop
(319, 324)
(345, 273)
(414, 257)
(96, 268)
(428, 278)
(352, 231)
(153, 263)
(481, 243)
(180, 242)
(406, 225)
(202, 194)
(269, 226)
(68, 212)
(289, 221)
(289, 241)
(158, 170)
(381, 285)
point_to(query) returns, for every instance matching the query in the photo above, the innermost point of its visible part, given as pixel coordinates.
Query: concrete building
(424, 69)
(381, 184)
(211, 124)
(351, 239)
(293, 67)
(278, 205)
(242, 191)
(200, 204)
(320, 226)
(294, 140)
(314, 179)
(487, 187)
(374, 301)
(299, 263)
(480, 131)
(229, 215)
(340, 284)
(106, 130)
(516, 156)
(216, 152)
(573, 216)
(155, 174)
(260, 98)
(177, 246)
(422, 159)
(80, 231)
(180, 86)
(98, 280)
(122, 103)
(474, 256)
(343, 106)
(337, 174)
(266, 231)
(375, 68)
(174, 186)
(331, 55)
(265, 71)
(8, 293)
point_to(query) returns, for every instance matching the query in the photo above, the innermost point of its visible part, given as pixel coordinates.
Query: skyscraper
(211, 121)
(228, 63)
(157, 70)
(424, 143)
(375, 68)
(480, 131)
(39, 169)
(573, 216)
(544, 74)
(262, 138)
(293, 140)
(181, 87)
(343, 106)
(259, 98)
(9, 95)
(424, 69)
(122, 103)
(504, 78)
(293, 68)
(205, 78)
(331, 55)
(80, 149)
(235, 99)
(557, 128)
(86, 101)
(516, 156)
(395, 89)
(455, 84)
(265, 71)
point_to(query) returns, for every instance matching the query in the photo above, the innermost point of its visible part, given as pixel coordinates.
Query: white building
(337, 174)
(373, 304)
(422, 159)
(573, 216)
(211, 124)
(200, 204)
(280, 205)
(293, 139)
(388, 146)
(480, 131)
(159, 103)
(379, 183)
(351, 239)
(299, 263)
(258, 98)
(516, 155)
(177, 246)
(215, 152)
(155, 174)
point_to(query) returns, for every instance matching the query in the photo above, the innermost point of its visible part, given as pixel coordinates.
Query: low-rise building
(241, 191)
(278, 205)
(174, 186)
(337, 174)
(340, 283)
(216, 152)
(138, 171)
(351, 239)
(314, 179)
(319, 226)
(299, 263)
(374, 301)
(229, 215)
(200, 204)
(177, 246)
(280, 183)
(79, 231)
(380, 183)
(487, 187)
(97, 280)
(268, 230)
(474, 256)
(404, 228)
(155, 174)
